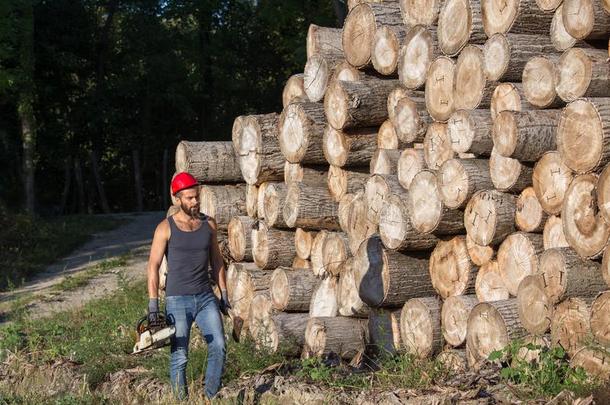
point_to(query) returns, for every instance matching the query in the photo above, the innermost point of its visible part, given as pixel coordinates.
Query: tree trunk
(603, 193)
(420, 48)
(239, 236)
(301, 128)
(518, 16)
(570, 326)
(259, 155)
(600, 319)
(419, 12)
(412, 119)
(420, 326)
(324, 299)
(353, 213)
(358, 104)
(560, 38)
(298, 263)
(223, 202)
(605, 268)
(470, 132)
(341, 182)
(586, 19)
(249, 282)
(535, 307)
(387, 137)
(317, 259)
(491, 326)
(489, 285)
(451, 271)
(583, 73)
(459, 179)
(324, 41)
(67, 182)
(345, 71)
(274, 197)
(352, 148)
(437, 146)
(427, 211)
(584, 228)
(318, 73)
(271, 248)
(552, 235)
(551, 179)
(251, 201)
(526, 135)
(348, 298)
(530, 217)
(410, 162)
(479, 255)
(387, 279)
(454, 318)
(310, 207)
(439, 89)
(334, 252)
(539, 81)
(490, 217)
(340, 336)
(291, 289)
(508, 174)
(518, 257)
(472, 90)
(385, 161)
(137, 177)
(595, 361)
(80, 185)
(303, 240)
(93, 157)
(211, 162)
(294, 91)
(459, 23)
(377, 190)
(360, 27)
(386, 47)
(397, 94)
(397, 231)
(311, 175)
(384, 332)
(508, 96)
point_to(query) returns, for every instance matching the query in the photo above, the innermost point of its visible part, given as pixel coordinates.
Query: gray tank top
(188, 259)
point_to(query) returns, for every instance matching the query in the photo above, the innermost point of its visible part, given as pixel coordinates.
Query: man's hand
(224, 303)
(153, 312)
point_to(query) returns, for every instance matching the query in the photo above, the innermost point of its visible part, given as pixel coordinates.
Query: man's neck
(184, 217)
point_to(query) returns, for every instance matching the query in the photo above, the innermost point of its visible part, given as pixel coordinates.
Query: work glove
(153, 312)
(224, 303)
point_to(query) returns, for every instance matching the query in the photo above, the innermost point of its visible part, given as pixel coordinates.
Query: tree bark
(517, 16)
(518, 257)
(301, 128)
(451, 270)
(412, 119)
(341, 336)
(310, 175)
(211, 162)
(583, 73)
(352, 149)
(454, 318)
(271, 248)
(239, 237)
(470, 132)
(420, 326)
(223, 202)
(324, 41)
(310, 207)
(291, 289)
(586, 19)
(490, 217)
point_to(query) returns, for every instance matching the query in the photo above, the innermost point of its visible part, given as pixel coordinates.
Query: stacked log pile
(438, 182)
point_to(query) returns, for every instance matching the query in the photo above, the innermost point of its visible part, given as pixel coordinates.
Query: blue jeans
(202, 308)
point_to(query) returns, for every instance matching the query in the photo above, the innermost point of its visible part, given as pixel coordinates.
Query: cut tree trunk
(291, 289)
(419, 50)
(603, 193)
(439, 89)
(552, 235)
(310, 207)
(583, 73)
(479, 255)
(451, 271)
(420, 327)
(508, 174)
(508, 96)
(583, 226)
(506, 55)
(259, 154)
(387, 138)
(518, 257)
(303, 240)
(491, 326)
(249, 282)
(535, 307)
(567, 275)
(437, 146)
(586, 19)
(357, 225)
(595, 361)
(489, 285)
(348, 299)
(301, 128)
(274, 197)
(324, 40)
(311, 175)
(412, 119)
(539, 81)
(335, 252)
(560, 38)
(454, 318)
(459, 179)
(530, 217)
(386, 278)
(525, 135)
(471, 88)
(223, 202)
(551, 178)
(384, 331)
(386, 47)
(298, 263)
(236, 132)
(470, 132)
(324, 299)
(517, 16)
(317, 260)
(384, 161)
(427, 212)
(252, 201)
(345, 71)
(570, 326)
(209, 162)
(419, 12)
(548, 6)
(340, 336)
(317, 74)
(272, 248)
(240, 242)
(273, 332)
(294, 91)
(453, 360)
(352, 148)
(459, 23)
(377, 189)
(396, 230)
(490, 217)
(358, 104)
(394, 97)
(410, 162)
(260, 200)
(605, 268)
(600, 319)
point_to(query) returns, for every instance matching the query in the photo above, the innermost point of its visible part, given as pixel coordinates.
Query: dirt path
(131, 240)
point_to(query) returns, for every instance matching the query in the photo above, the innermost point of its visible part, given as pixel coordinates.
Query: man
(189, 241)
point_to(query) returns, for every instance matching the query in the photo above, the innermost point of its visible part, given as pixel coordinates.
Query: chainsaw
(153, 336)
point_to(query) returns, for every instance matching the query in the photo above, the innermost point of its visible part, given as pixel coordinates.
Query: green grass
(30, 244)
(83, 278)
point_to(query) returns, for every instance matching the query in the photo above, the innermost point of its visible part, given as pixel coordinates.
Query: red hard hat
(183, 181)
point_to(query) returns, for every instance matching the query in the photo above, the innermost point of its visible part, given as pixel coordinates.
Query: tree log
(489, 285)
(273, 200)
(386, 47)
(439, 89)
(317, 74)
(354, 214)
(360, 27)
(324, 40)
(260, 200)
(412, 119)
(343, 337)
(518, 257)
(530, 217)
(508, 174)
(209, 162)
(583, 73)
(454, 318)
(316, 257)
(303, 241)
(586, 19)
(250, 281)
(348, 299)
(525, 135)
(517, 16)
(491, 326)
(324, 299)
(535, 307)
(387, 138)
(240, 243)
(291, 289)
(451, 271)
(357, 104)
(377, 190)
(471, 88)
(294, 91)
(539, 81)
(560, 38)
(419, 50)
(236, 131)
(470, 132)
(533, 346)
(427, 212)
(453, 360)
(384, 162)
(410, 162)
(310, 175)
(605, 268)
(459, 23)
(437, 146)
(345, 71)
(384, 331)
(459, 179)
(260, 158)
(397, 231)
(567, 275)
(552, 235)
(583, 134)
(252, 200)
(548, 6)
(419, 12)
(353, 148)
(394, 97)
(551, 178)
(603, 193)
(272, 248)
(479, 255)
(334, 252)
(600, 319)
(490, 217)
(420, 326)
(223, 202)
(301, 128)
(508, 96)
(299, 263)
(584, 228)
(570, 326)
(595, 361)
(310, 207)
(386, 278)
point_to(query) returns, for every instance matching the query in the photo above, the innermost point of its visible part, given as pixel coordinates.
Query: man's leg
(209, 322)
(180, 312)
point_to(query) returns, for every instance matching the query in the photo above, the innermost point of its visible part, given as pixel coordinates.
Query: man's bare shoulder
(212, 222)
(162, 229)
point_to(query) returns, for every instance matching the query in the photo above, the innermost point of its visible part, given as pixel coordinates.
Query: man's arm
(218, 265)
(157, 250)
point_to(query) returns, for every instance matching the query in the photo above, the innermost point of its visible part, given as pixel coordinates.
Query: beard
(192, 212)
